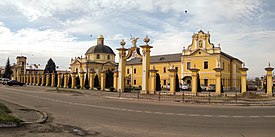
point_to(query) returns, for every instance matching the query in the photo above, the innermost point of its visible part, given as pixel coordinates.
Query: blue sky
(61, 29)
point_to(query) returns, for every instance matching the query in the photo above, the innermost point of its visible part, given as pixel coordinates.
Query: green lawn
(5, 115)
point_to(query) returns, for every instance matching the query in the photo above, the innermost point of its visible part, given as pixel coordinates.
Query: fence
(183, 97)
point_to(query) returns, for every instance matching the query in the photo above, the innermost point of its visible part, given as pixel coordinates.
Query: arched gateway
(145, 62)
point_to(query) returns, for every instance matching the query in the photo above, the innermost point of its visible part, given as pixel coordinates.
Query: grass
(4, 115)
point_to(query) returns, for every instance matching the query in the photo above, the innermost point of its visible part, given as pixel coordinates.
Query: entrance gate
(145, 62)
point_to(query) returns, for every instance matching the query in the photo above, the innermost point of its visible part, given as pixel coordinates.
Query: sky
(62, 29)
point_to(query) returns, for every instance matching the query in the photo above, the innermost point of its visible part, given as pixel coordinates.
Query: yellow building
(98, 58)
(201, 54)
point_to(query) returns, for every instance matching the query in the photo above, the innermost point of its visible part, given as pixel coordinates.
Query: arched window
(97, 56)
(76, 70)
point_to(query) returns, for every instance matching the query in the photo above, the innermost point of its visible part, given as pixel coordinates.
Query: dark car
(14, 82)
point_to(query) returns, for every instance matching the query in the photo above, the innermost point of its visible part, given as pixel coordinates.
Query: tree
(109, 79)
(177, 83)
(50, 67)
(87, 85)
(198, 83)
(8, 71)
(158, 86)
(96, 81)
(70, 81)
(62, 81)
(55, 79)
(77, 82)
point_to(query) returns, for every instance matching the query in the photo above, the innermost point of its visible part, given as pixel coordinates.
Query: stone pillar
(34, 79)
(218, 80)
(53, 79)
(152, 85)
(31, 79)
(269, 81)
(243, 79)
(42, 79)
(115, 80)
(59, 79)
(19, 77)
(121, 67)
(172, 76)
(48, 79)
(145, 65)
(195, 79)
(91, 79)
(81, 78)
(38, 79)
(103, 80)
(27, 78)
(73, 80)
(66, 75)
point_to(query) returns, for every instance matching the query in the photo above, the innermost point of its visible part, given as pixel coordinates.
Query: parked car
(168, 87)
(211, 87)
(4, 80)
(15, 82)
(185, 87)
(203, 87)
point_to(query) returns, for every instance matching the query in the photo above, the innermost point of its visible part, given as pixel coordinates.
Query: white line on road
(222, 116)
(142, 111)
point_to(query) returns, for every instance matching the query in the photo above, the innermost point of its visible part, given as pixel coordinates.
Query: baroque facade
(97, 58)
(201, 54)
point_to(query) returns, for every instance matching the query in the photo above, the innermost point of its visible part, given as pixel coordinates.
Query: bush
(112, 89)
(98, 87)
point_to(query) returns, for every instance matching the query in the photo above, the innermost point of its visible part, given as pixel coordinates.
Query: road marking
(208, 115)
(142, 111)
(222, 116)
(158, 113)
(193, 115)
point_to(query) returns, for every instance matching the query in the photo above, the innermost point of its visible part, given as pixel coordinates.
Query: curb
(43, 119)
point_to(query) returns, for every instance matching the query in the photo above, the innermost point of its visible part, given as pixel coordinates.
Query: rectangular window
(164, 82)
(135, 71)
(205, 64)
(108, 57)
(164, 69)
(188, 65)
(135, 82)
(128, 71)
(97, 56)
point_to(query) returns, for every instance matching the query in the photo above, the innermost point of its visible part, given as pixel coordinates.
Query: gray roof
(100, 49)
(158, 59)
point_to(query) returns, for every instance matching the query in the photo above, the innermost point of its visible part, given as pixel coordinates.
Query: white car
(185, 87)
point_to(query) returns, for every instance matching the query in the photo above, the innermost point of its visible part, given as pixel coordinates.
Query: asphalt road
(131, 118)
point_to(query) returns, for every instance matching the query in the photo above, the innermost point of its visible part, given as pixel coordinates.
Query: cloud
(61, 29)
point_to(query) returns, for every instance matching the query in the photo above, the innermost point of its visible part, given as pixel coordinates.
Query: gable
(199, 53)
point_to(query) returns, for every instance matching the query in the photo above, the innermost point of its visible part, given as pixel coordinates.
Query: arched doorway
(187, 80)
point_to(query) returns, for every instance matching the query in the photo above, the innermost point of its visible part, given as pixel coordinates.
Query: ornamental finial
(146, 39)
(122, 43)
(268, 64)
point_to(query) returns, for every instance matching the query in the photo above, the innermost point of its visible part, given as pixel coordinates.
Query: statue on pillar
(134, 41)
